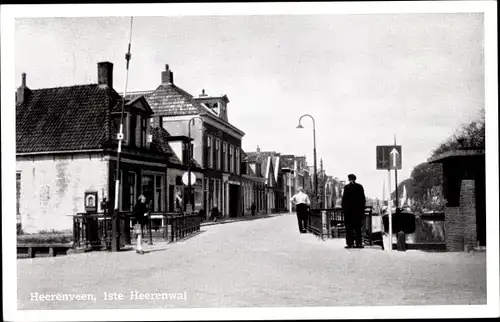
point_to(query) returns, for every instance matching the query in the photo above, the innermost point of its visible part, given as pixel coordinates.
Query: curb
(241, 219)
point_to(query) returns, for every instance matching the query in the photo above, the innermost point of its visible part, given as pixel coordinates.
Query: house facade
(272, 165)
(216, 143)
(254, 186)
(66, 148)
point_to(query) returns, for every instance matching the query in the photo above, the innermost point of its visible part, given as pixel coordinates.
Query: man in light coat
(302, 203)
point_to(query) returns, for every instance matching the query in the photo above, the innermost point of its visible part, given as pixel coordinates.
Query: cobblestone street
(259, 263)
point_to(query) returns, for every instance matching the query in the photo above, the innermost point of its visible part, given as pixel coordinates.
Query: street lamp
(190, 197)
(314, 141)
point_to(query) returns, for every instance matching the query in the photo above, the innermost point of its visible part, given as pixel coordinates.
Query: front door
(234, 198)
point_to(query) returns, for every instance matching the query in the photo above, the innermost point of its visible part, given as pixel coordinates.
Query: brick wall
(52, 188)
(460, 222)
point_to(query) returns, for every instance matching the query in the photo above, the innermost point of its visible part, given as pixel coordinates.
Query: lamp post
(190, 196)
(314, 141)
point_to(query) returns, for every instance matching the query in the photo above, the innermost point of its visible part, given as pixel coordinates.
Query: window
(116, 125)
(231, 159)
(217, 154)
(153, 189)
(144, 127)
(237, 161)
(210, 152)
(130, 197)
(140, 130)
(224, 157)
(159, 200)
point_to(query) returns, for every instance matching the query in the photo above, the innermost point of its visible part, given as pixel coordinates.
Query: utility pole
(115, 225)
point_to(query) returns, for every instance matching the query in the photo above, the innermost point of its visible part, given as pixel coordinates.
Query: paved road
(260, 263)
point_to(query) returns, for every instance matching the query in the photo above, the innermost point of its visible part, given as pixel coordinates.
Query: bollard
(401, 241)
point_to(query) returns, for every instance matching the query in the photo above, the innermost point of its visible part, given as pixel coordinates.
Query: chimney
(167, 77)
(258, 149)
(203, 94)
(105, 74)
(23, 92)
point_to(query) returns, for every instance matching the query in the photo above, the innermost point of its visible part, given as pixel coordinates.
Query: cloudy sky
(364, 78)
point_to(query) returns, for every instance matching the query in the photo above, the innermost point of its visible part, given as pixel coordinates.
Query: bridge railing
(330, 223)
(95, 230)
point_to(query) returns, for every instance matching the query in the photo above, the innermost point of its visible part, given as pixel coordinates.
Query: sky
(364, 78)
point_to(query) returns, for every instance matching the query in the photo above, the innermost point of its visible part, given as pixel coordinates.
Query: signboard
(185, 178)
(91, 201)
(389, 157)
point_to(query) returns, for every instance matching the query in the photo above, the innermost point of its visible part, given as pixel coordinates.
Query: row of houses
(66, 148)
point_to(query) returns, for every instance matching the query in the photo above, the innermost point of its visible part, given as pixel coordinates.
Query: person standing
(302, 203)
(252, 208)
(353, 204)
(214, 213)
(141, 217)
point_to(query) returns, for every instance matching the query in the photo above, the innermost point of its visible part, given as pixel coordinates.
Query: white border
(9, 13)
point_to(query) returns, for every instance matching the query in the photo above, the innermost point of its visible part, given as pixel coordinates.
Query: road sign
(185, 178)
(389, 157)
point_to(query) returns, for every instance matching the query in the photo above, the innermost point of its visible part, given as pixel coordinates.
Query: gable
(140, 105)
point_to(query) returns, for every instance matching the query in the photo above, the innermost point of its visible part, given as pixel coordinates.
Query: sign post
(389, 211)
(395, 155)
(389, 157)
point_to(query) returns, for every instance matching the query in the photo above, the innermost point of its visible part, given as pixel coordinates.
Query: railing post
(150, 231)
(74, 232)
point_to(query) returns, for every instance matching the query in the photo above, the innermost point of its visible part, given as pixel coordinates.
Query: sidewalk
(244, 218)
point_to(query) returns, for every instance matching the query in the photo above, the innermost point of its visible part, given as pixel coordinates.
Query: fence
(95, 230)
(330, 223)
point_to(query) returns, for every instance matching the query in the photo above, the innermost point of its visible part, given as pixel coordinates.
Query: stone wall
(460, 222)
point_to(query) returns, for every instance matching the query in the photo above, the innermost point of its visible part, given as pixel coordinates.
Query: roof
(170, 100)
(65, 119)
(160, 144)
(161, 137)
(134, 95)
(250, 171)
(252, 157)
(454, 154)
(287, 161)
(265, 162)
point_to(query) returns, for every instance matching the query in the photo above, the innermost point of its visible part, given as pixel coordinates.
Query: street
(259, 263)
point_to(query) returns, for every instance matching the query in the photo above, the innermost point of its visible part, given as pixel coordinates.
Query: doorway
(234, 200)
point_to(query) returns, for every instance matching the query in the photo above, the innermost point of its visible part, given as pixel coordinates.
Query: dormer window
(141, 126)
(116, 125)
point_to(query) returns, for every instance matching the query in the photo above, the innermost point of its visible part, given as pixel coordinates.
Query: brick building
(216, 143)
(66, 146)
(464, 189)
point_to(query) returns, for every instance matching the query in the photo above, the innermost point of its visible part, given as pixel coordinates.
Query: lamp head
(300, 126)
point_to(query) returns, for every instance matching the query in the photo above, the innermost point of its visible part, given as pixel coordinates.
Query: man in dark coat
(353, 204)
(141, 217)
